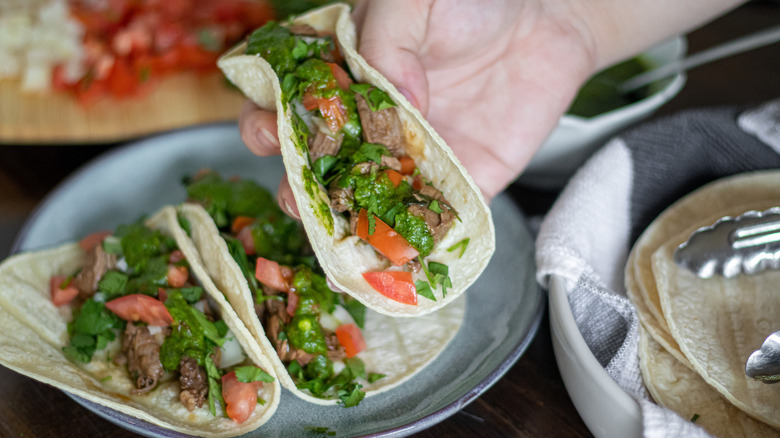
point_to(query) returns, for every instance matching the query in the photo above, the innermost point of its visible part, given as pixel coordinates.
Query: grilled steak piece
(97, 263)
(303, 30)
(341, 199)
(438, 223)
(193, 382)
(381, 127)
(324, 143)
(335, 349)
(142, 352)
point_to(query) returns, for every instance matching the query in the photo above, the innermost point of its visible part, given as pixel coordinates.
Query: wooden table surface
(529, 401)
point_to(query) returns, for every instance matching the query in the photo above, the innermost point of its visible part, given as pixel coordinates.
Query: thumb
(390, 37)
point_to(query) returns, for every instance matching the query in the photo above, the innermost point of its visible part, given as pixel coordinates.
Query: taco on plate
(131, 321)
(392, 215)
(326, 347)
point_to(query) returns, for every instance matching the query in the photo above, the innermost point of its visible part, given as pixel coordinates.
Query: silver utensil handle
(743, 44)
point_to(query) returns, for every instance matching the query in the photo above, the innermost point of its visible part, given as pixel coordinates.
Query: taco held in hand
(390, 211)
(135, 324)
(326, 347)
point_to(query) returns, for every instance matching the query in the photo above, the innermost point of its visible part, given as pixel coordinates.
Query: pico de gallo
(136, 304)
(316, 332)
(355, 142)
(128, 44)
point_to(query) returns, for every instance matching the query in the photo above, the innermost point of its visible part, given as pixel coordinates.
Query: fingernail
(332, 286)
(292, 210)
(268, 136)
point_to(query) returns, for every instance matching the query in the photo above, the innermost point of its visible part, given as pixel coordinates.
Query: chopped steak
(341, 199)
(381, 127)
(324, 143)
(303, 30)
(142, 352)
(194, 384)
(97, 263)
(335, 349)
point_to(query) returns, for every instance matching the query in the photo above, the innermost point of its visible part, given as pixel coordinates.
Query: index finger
(258, 130)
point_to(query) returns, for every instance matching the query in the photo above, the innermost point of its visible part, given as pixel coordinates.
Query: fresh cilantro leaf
(322, 430)
(353, 397)
(301, 49)
(215, 386)
(355, 308)
(323, 165)
(373, 377)
(249, 374)
(460, 245)
(192, 294)
(424, 289)
(112, 284)
(441, 277)
(434, 206)
(376, 99)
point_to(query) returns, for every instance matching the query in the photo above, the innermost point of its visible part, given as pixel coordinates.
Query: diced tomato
(122, 80)
(333, 111)
(162, 294)
(245, 237)
(292, 303)
(396, 285)
(177, 275)
(342, 78)
(394, 176)
(351, 338)
(240, 222)
(417, 182)
(308, 100)
(62, 295)
(88, 243)
(270, 274)
(240, 398)
(407, 165)
(139, 307)
(386, 240)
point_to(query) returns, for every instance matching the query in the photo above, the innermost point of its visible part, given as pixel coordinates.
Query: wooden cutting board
(57, 118)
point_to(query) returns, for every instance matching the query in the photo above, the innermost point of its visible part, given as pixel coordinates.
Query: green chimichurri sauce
(291, 249)
(600, 94)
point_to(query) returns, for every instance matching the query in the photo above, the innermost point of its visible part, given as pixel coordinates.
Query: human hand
(492, 78)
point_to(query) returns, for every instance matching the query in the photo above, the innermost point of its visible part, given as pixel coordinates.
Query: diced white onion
(329, 322)
(36, 36)
(231, 352)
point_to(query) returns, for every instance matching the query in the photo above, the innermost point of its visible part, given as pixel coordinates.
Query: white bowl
(576, 138)
(606, 409)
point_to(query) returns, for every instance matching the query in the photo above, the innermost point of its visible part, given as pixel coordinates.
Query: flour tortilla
(345, 257)
(35, 331)
(639, 275)
(676, 387)
(396, 347)
(717, 322)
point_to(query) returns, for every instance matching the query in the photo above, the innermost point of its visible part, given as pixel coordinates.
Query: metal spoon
(743, 44)
(764, 363)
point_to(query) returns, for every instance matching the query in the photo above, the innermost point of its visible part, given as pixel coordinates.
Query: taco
(131, 321)
(390, 211)
(326, 347)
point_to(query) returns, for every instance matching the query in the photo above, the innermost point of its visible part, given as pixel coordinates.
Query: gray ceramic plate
(504, 307)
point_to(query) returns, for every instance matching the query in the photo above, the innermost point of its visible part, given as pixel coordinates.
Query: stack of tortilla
(696, 334)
